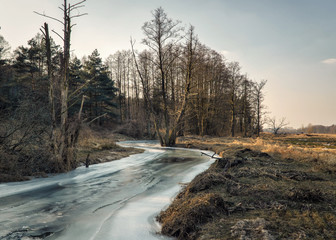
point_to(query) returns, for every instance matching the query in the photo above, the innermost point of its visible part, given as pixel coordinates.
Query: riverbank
(101, 146)
(267, 188)
(98, 145)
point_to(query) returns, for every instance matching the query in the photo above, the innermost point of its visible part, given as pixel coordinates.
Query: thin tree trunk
(53, 137)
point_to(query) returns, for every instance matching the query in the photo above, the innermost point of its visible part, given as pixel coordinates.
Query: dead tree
(65, 140)
(53, 140)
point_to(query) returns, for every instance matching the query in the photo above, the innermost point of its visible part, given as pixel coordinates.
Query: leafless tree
(189, 65)
(4, 49)
(68, 134)
(161, 36)
(246, 112)
(276, 125)
(259, 107)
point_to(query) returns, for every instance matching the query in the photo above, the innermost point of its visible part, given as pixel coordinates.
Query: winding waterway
(114, 200)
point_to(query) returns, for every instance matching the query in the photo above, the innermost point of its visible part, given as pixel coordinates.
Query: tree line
(176, 86)
(180, 86)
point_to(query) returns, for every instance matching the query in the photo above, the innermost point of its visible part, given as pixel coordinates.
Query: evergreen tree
(4, 49)
(100, 89)
(76, 85)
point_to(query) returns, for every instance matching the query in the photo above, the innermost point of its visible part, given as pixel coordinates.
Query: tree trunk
(53, 136)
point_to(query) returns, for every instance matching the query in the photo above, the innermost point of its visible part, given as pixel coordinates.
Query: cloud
(329, 61)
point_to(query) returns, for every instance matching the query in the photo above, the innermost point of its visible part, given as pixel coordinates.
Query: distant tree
(6, 76)
(246, 111)
(310, 128)
(258, 102)
(31, 64)
(145, 73)
(276, 125)
(4, 50)
(235, 81)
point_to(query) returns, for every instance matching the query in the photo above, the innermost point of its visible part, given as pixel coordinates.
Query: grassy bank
(267, 188)
(102, 147)
(97, 144)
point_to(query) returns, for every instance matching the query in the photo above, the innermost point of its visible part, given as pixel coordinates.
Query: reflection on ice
(114, 200)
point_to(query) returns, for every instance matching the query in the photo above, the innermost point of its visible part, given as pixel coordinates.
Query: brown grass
(271, 189)
(318, 148)
(101, 145)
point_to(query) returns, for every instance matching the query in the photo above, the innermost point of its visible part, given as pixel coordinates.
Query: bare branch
(276, 125)
(81, 6)
(212, 156)
(80, 88)
(97, 118)
(44, 15)
(76, 4)
(43, 32)
(79, 15)
(58, 34)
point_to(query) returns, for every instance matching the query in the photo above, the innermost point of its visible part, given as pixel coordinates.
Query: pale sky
(290, 43)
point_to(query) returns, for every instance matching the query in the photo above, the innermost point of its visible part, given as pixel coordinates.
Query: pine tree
(100, 89)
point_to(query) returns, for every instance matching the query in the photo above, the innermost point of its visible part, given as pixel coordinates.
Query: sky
(289, 43)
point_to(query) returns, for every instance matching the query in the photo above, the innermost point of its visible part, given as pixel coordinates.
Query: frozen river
(114, 200)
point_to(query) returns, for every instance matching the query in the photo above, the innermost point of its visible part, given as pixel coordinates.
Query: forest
(176, 86)
(106, 144)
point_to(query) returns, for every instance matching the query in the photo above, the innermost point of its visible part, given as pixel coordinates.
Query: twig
(44, 15)
(97, 118)
(79, 15)
(212, 156)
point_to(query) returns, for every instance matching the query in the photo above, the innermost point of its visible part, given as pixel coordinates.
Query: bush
(132, 129)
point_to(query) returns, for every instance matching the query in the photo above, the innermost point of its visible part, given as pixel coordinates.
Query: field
(271, 187)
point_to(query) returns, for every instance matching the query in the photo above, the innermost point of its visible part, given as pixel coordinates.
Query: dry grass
(101, 145)
(318, 148)
(183, 218)
(271, 189)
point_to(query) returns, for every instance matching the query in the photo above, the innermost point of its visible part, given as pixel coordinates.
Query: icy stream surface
(114, 200)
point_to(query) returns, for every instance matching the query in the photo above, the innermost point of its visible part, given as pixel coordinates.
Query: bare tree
(189, 64)
(235, 81)
(4, 49)
(68, 135)
(162, 34)
(258, 99)
(246, 102)
(276, 125)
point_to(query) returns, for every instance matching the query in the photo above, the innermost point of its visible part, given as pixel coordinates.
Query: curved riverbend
(113, 200)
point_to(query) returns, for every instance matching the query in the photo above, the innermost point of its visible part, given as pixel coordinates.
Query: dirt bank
(102, 147)
(250, 194)
(99, 144)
